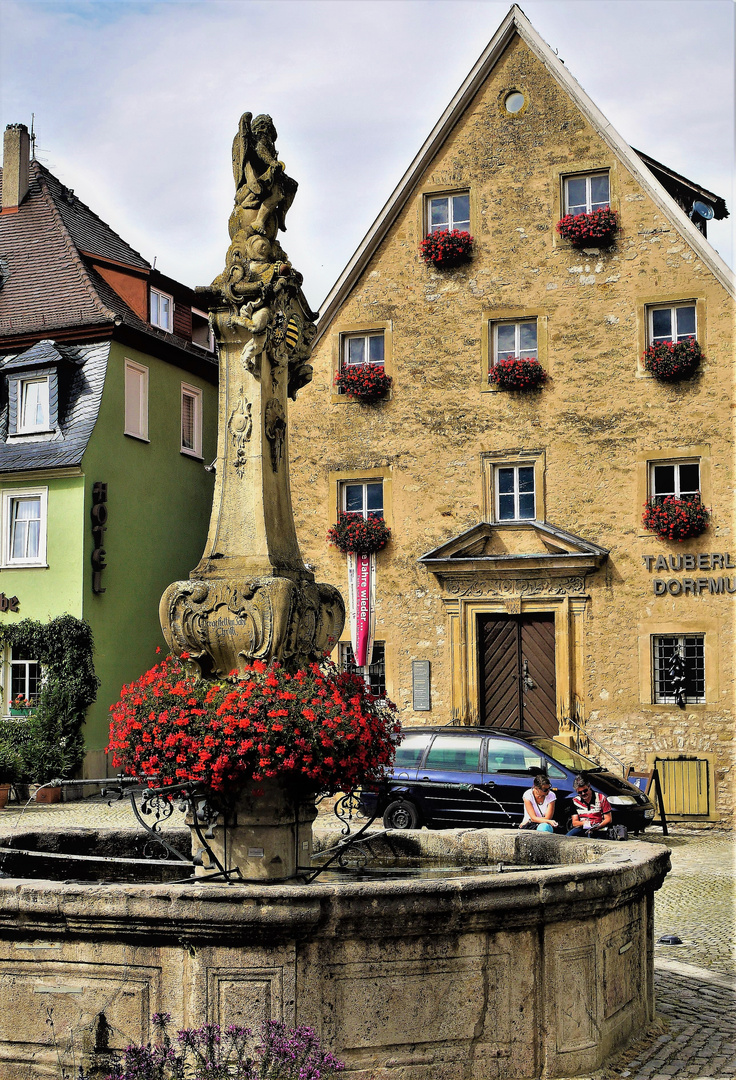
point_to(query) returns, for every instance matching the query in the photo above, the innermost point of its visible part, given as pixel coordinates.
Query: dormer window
(162, 310)
(33, 412)
(202, 334)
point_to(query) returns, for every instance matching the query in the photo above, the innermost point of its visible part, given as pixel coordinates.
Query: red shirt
(591, 815)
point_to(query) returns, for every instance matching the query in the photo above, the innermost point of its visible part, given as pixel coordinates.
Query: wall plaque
(420, 686)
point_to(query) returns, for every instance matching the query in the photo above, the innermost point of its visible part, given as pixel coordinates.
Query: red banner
(362, 588)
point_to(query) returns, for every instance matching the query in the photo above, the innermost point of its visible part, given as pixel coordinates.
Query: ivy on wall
(64, 648)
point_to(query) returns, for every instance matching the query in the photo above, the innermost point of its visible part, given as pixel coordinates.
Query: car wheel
(401, 815)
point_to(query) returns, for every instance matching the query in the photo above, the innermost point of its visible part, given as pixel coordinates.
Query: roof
(516, 22)
(87, 365)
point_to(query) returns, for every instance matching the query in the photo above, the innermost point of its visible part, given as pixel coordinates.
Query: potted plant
(675, 519)
(366, 382)
(260, 745)
(10, 770)
(46, 756)
(364, 536)
(446, 249)
(514, 374)
(670, 361)
(595, 229)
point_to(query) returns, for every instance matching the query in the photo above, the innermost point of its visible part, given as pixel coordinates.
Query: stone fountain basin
(531, 972)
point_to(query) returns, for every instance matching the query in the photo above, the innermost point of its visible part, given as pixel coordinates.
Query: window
(136, 400)
(365, 499)
(374, 674)
(24, 527)
(515, 340)
(515, 493)
(458, 753)
(506, 756)
(33, 405)
(25, 677)
(678, 657)
(448, 212)
(674, 323)
(202, 334)
(584, 194)
(162, 310)
(191, 420)
(363, 349)
(678, 478)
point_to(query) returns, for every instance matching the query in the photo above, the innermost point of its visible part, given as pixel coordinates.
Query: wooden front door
(517, 672)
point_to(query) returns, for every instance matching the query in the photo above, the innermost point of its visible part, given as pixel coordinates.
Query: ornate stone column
(251, 596)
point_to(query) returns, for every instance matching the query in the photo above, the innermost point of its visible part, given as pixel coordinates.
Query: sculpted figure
(264, 192)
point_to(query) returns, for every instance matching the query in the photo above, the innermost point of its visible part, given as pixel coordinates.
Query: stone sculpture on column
(251, 597)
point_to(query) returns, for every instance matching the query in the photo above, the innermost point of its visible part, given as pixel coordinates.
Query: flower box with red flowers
(513, 374)
(363, 536)
(367, 382)
(671, 361)
(318, 729)
(596, 229)
(446, 249)
(675, 519)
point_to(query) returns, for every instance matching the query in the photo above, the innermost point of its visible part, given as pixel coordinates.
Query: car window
(570, 758)
(507, 756)
(459, 753)
(409, 752)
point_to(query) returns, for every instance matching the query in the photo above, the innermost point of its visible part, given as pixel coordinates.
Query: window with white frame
(448, 212)
(678, 478)
(514, 340)
(363, 349)
(136, 400)
(583, 194)
(24, 527)
(515, 493)
(202, 334)
(374, 674)
(191, 420)
(671, 322)
(678, 669)
(162, 310)
(364, 498)
(25, 679)
(33, 405)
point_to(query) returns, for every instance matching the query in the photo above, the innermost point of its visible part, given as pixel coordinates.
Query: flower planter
(366, 382)
(14, 711)
(267, 833)
(517, 375)
(596, 229)
(671, 361)
(445, 250)
(363, 536)
(675, 519)
(4, 795)
(48, 795)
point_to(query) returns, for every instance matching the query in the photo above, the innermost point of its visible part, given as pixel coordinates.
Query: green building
(108, 419)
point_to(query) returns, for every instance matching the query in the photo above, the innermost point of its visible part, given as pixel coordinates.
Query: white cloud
(136, 103)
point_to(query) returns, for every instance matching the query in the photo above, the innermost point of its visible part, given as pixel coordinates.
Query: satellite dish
(703, 210)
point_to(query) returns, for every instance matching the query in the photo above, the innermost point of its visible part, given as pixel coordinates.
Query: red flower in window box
(596, 229)
(364, 536)
(513, 374)
(675, 519)
(367, 382)
(317, 727)
(446, 249)
(671, 361)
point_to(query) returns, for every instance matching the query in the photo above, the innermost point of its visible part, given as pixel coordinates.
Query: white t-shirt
(550, 797)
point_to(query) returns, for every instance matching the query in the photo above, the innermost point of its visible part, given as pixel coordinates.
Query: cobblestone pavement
(694, 1035)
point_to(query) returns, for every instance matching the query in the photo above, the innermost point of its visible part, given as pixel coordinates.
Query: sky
(135, 104)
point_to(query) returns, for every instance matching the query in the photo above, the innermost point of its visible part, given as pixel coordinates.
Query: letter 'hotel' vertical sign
(99, 528)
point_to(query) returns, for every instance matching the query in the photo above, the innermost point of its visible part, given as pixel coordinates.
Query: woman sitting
(539, 805)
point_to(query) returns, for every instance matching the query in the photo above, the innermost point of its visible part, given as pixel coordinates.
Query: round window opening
(514, 101)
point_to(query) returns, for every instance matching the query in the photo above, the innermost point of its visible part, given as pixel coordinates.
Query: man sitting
(591, 813)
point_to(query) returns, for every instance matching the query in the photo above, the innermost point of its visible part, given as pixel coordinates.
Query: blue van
(449, 778)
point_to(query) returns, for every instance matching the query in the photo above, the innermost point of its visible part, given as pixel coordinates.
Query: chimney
(16, 155)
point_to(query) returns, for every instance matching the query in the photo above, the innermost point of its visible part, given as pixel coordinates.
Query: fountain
(454, 955)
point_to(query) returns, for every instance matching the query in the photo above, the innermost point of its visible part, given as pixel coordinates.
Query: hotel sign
(688, 563)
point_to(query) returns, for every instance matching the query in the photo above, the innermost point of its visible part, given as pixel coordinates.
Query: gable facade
(535, 478)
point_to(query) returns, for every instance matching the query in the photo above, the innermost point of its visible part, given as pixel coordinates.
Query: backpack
(618, 832)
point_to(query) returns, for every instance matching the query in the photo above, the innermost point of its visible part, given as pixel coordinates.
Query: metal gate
(685, 787)
(517, 672)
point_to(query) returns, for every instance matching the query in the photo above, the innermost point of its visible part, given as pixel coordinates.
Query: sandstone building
(519, 568)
